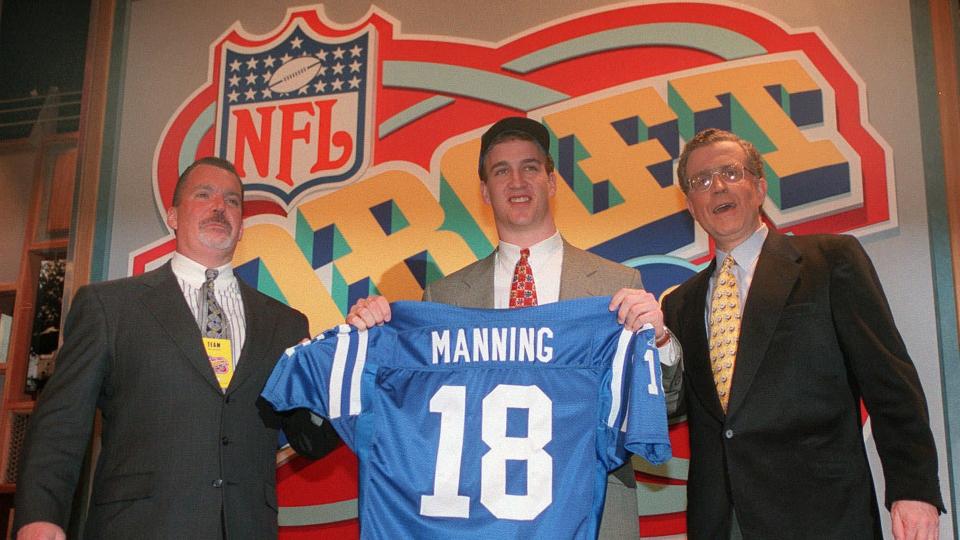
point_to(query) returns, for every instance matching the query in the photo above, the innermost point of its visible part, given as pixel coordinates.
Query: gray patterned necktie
(215, 321)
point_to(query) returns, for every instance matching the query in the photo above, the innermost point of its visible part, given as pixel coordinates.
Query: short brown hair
(212, 161)
(514, 136)
(709, 136)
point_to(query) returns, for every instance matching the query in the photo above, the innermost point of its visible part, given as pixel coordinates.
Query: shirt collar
(194, 273)
(539, 250)
(748, 251)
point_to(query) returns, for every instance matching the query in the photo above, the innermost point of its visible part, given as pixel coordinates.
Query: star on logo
(337, 84)
(235, 65)
(295, 43)
(252, 63)
(268, 61)
(355, 51)
(234, 80)
(354, 82)
(338, 53)
(355, 67)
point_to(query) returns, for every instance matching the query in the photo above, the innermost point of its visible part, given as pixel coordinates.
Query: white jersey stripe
(336, 372)
(616, 379)
(357, 375)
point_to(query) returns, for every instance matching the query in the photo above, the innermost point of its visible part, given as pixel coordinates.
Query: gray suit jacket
(583, 274)
(175, 449)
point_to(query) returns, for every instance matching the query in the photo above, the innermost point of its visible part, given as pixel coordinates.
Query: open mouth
(724, 207)
(520, 199)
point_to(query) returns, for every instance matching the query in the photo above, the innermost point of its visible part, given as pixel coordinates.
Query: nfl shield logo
(294, 111)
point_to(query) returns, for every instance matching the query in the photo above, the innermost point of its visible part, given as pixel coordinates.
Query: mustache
(218, 218)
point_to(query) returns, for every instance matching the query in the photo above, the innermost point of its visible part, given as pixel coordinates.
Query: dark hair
(212, 161)
(709, 136)
(514, 136)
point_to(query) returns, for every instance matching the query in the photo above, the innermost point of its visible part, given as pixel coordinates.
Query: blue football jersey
(477, 423)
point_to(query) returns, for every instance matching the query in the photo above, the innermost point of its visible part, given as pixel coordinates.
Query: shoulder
(617, 274)
(123, 287)
(439, 290)
(830, 249)
(267, 304)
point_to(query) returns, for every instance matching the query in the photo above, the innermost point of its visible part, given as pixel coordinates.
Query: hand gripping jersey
(475, 423)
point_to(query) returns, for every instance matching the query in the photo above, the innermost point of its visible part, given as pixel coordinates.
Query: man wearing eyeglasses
(783, 336)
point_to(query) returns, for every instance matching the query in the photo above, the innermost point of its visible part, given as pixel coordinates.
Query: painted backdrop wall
(414, 145)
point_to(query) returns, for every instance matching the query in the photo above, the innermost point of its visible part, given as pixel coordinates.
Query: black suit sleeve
(62, 421)
(308, 434)
(885, 375)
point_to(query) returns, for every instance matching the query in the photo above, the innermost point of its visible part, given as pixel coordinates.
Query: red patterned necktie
(523, 292)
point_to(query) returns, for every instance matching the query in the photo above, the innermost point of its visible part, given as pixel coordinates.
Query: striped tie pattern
(724, 329)
(214, 325)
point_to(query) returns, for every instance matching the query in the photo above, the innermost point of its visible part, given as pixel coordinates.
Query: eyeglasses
(730, 174)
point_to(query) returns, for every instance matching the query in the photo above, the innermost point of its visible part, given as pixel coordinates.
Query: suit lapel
(476, 284)
(259, 329)
(575, 271)
(163, 298)
(697, 357)
(777, 270)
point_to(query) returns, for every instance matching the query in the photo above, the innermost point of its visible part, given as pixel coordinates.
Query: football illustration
(294, 74)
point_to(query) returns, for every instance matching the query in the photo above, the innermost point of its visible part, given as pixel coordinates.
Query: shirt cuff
(669, 351)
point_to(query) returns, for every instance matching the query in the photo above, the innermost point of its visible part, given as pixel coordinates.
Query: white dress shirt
(746, 255)
(546, 261)
(192, 276)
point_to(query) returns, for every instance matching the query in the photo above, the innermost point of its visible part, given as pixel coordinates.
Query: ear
(485, 191)
(552, 183)
(762, 189)
(172, 217)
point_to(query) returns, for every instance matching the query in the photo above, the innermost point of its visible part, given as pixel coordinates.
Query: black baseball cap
(520, 124)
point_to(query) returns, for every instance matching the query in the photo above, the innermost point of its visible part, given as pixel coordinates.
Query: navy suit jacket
(817, 336)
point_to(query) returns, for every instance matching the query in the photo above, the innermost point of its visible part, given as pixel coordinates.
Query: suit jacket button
(217, 483)
(225, 441)
(728, 434)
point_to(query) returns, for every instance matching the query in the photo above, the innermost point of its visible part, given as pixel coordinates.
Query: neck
(209, 260)
(525, 239)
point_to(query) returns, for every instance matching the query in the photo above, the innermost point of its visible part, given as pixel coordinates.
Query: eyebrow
(525, 161)
(211, 188)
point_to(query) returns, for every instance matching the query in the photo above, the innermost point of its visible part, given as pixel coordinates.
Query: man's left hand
(636, 307)
(915, 520)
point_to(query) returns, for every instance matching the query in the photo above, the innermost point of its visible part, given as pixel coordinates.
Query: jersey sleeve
(326, 376)
(646, 422)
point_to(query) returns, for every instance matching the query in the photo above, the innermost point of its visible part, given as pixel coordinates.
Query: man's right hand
(41, 530)
(369, 312)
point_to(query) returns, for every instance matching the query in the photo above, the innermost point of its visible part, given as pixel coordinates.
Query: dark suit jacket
(582, 274)
(817, 336)
(175, 449)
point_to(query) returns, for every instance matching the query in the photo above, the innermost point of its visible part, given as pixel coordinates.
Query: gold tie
(724, 329)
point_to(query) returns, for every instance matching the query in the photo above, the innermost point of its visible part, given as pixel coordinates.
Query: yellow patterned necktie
(724, 329)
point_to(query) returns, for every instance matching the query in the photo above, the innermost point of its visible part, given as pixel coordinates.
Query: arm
(62, 421)
(886, 377)
(636, 307)
(308, 434)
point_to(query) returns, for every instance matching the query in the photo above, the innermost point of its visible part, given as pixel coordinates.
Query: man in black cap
(534, 265)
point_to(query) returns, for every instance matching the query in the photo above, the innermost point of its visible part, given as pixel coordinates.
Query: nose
(219, 202)
(717, 183)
